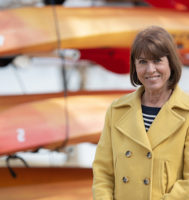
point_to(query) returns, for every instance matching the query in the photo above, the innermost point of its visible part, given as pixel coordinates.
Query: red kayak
(49, 123)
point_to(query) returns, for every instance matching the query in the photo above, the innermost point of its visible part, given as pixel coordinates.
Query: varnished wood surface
(46, 184)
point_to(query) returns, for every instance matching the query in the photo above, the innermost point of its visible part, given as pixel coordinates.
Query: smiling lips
(152, 77)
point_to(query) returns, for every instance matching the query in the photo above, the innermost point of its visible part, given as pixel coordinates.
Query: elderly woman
(143, 152)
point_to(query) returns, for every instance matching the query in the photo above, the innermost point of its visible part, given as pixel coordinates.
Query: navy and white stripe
(149, 114)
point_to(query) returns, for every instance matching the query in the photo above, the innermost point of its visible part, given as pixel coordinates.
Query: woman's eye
(142, 62)
(157, 61)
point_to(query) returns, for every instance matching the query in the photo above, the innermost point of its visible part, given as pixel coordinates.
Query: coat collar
(167, 122)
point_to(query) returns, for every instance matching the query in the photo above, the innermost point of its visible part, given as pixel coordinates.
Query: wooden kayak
(46, 184)
(31, 30)
(49, 123)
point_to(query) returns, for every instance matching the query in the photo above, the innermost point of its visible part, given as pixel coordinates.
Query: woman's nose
(151, 68)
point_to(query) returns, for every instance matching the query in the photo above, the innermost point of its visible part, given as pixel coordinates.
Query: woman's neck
(155, 99)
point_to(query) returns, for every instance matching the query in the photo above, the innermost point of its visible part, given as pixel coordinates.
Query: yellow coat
(131, 164)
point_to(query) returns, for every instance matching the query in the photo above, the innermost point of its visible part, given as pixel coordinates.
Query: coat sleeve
(180, 190)
(103, 170)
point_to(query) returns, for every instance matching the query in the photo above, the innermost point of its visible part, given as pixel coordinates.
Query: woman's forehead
(149, 51)
(142, 56)
(148, 56)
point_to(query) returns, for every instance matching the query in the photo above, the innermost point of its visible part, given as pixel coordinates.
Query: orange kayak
(49, 123)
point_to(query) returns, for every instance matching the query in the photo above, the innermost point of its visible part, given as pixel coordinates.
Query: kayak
(54, 122)
(46, 184)
(33, 29)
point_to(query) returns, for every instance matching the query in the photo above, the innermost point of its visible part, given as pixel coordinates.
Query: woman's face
(153, 74)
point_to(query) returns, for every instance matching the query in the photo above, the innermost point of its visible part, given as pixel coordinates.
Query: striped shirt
(149, 114)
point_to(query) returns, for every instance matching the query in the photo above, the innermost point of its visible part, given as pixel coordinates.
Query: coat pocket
(164, 177)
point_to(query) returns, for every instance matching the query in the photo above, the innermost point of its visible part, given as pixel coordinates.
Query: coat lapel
(131, 123)
(167, 122)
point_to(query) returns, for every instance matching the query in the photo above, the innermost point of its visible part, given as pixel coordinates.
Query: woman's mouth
(152, 77)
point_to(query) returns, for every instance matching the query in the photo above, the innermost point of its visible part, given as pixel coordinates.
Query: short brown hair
(155, 42)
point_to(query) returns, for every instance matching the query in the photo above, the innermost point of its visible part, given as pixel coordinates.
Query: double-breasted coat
(132, 164)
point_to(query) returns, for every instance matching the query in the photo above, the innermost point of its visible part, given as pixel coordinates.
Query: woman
(143, 152)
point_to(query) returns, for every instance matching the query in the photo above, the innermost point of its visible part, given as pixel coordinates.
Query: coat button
(128, 154)
(146, 181)
(149, 155)
(125, 179)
